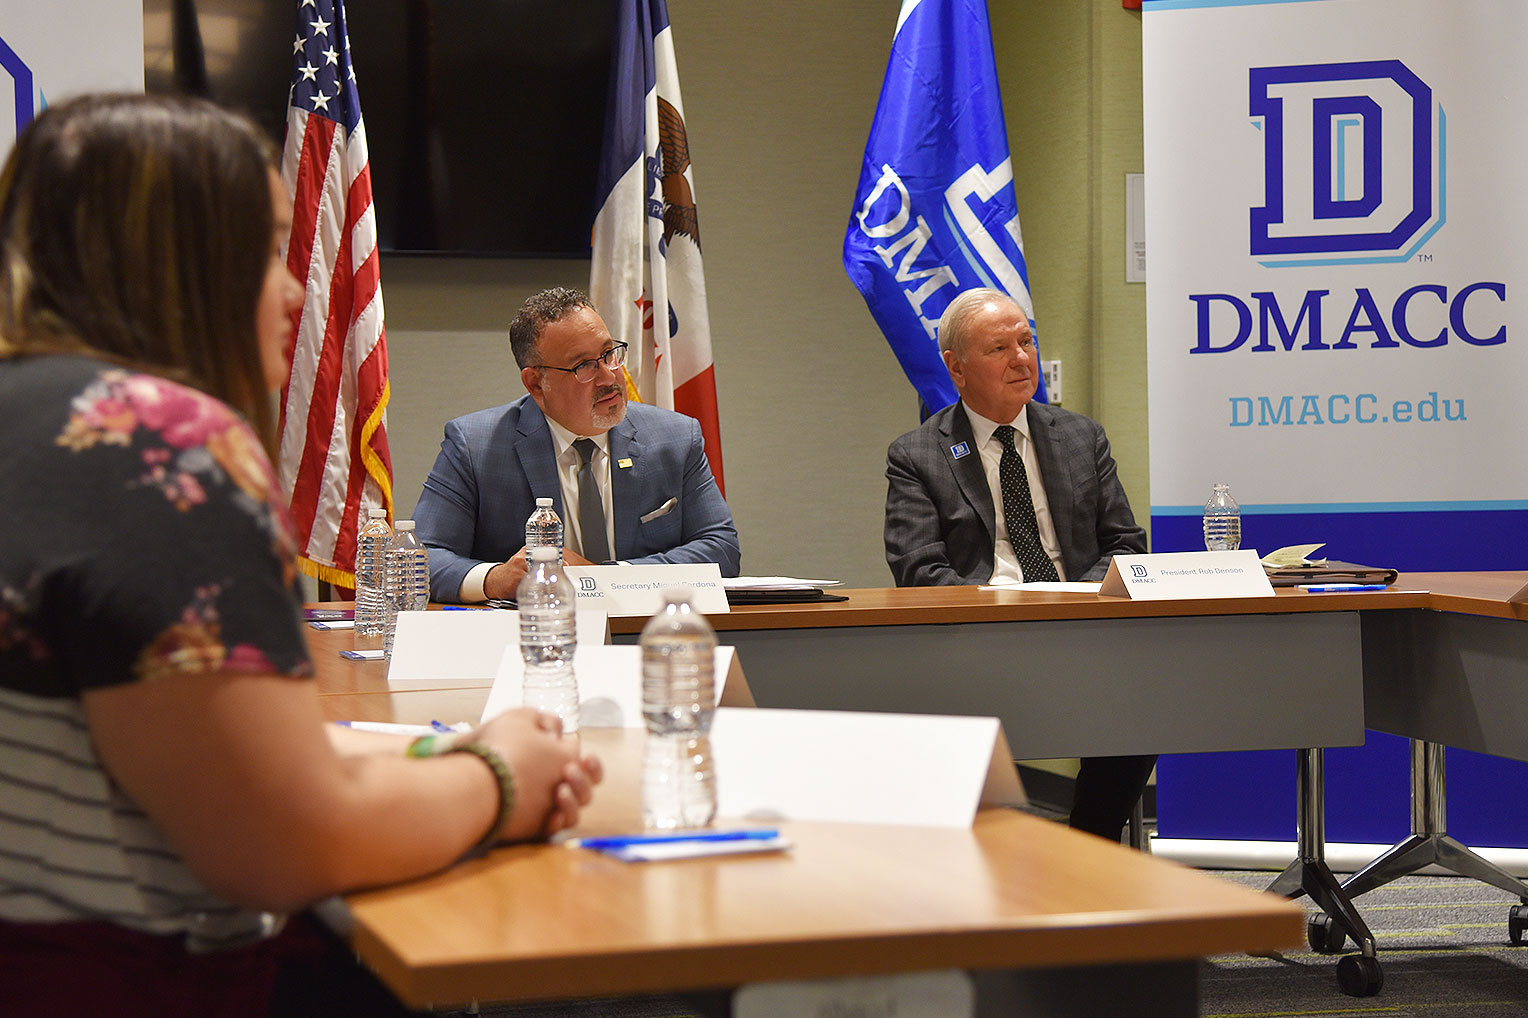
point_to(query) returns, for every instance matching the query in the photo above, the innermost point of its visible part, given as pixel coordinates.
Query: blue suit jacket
(494, 464)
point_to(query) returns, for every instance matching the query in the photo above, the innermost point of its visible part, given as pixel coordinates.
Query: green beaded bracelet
(506, 781)
(433, 745)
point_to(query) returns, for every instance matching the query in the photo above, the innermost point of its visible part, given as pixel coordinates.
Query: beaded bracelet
(506, 781)
(434, 744)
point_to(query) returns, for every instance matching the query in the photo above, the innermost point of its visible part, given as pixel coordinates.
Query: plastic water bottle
(1222, 521)
(406, 577)
(547, 636)
(678, 703)
(370, 559)
(544, 528)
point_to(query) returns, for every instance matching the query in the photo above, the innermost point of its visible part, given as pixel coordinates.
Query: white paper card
(610, 684)
(1187, 575)
(433, 646)
(1048, 586)
(848, 766)
(621, 591)
(948, 993)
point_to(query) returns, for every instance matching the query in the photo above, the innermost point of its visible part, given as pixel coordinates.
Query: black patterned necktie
(1019, 512)
(591, 508)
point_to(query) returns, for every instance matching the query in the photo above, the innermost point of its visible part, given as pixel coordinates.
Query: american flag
(333, 451)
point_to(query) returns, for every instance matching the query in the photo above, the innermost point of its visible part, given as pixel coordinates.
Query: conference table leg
(1358, 975)
(1444, 679)
(1430, 844)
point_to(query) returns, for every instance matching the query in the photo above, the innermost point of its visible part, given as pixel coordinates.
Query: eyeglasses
(585, 371)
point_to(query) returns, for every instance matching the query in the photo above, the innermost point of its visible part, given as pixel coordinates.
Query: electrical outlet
(1052, 372)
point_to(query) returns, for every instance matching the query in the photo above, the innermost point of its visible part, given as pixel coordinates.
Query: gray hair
(957, 316)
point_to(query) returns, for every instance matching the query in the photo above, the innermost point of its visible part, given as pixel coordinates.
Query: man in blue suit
(658, 499)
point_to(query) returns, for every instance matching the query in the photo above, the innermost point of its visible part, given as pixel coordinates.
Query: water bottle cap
(376, 512)
(404, 525)
(543, 503)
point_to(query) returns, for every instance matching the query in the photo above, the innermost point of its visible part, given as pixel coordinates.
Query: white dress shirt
(1005, 564)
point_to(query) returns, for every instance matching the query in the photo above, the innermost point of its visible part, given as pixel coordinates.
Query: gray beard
(606, 421)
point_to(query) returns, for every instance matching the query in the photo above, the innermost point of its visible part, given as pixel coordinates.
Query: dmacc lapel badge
(960, 450)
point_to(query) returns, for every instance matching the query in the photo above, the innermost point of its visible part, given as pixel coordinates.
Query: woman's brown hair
(139, 228)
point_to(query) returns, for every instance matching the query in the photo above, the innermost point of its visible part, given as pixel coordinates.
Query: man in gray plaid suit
(996, 488)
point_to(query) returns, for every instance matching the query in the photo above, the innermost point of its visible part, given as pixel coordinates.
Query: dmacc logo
(1353, 163)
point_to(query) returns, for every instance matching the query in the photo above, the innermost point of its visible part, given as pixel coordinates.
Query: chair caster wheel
(1517, 923)
(1359, 975)
(1324, 935)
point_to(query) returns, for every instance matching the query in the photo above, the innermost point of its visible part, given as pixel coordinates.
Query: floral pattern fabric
(146, 538)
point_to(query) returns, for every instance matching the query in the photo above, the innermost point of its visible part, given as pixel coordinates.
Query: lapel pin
(959, 450)
(624, 463)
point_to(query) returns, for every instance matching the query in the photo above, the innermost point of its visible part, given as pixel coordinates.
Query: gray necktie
(591, 509)
(1019, 512)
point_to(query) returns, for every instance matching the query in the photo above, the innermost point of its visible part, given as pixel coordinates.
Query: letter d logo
(1353, 163)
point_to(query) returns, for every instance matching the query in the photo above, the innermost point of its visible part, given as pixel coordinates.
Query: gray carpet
(1443, 946)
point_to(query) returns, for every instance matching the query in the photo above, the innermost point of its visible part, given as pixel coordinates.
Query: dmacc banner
(1335, 309)
(1335, 328)
(50, 51)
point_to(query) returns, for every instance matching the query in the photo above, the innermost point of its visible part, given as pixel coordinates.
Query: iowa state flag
(934, 213)
(645, 278)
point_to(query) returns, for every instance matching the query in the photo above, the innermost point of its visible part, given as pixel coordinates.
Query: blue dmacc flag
(934, 213)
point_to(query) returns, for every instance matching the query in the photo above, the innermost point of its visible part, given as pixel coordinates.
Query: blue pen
(1332, 588)
(440, 727)
(759, 834)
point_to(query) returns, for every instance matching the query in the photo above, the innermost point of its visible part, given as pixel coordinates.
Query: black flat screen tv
(483, 119)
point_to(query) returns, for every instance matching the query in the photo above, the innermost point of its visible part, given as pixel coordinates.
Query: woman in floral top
(168, 790)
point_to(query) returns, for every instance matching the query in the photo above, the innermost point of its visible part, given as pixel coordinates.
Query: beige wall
(1071, 76)
(779, 99)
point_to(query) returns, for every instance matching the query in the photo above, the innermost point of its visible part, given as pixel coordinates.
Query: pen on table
(386, 727)
(627, 841)
(392, 728)
(1331, 588)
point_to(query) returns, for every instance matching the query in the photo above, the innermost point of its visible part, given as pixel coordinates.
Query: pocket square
(662, 510)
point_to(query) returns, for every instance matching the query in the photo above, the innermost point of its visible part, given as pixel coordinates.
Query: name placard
(456, 646)
(859, 770)
(610, 684)
(638, 590)
(1187, 574)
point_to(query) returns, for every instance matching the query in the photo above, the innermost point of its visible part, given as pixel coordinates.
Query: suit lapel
(626, 487)
(1055, 472)
(969, 475)
(537, 455)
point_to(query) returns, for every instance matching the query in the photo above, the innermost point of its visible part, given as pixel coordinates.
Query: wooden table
(1438, 656)
(1074, 674)
(1435, 657)
(1048, 921)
